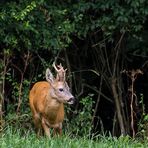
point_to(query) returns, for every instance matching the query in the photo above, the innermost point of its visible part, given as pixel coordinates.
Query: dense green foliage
(43, 25)
(95, 40)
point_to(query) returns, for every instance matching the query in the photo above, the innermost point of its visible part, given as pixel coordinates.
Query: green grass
(15, 139)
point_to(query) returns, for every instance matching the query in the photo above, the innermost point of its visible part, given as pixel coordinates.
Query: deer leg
(37, 123)
(45, 128)
(58, 130)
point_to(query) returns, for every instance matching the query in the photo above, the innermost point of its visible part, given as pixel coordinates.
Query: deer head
(59, 87)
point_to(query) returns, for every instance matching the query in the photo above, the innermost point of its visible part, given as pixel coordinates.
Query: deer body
(47, 100)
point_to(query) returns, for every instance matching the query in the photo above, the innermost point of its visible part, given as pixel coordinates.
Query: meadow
(14, 138)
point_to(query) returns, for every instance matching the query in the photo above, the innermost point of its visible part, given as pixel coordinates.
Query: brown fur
(47, 111)
(46, 101)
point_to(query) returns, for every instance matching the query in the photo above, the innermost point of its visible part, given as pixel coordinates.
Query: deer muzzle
(71, 100)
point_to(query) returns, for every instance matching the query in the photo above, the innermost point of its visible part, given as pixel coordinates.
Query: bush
(79, 122)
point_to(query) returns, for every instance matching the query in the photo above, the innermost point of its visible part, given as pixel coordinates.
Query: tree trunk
(1, 105)
(118, 106)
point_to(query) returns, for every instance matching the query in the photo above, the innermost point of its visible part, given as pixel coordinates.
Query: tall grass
(14, 138)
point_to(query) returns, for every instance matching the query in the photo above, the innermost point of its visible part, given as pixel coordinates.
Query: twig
(132, 74)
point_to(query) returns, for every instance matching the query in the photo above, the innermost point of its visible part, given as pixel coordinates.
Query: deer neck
(53, 102)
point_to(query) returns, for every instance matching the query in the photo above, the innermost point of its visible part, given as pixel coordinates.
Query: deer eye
(61, 89)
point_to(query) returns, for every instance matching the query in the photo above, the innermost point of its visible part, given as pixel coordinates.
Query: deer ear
(49, 76)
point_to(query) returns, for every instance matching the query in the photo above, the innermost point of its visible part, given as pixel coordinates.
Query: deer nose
(71, 100)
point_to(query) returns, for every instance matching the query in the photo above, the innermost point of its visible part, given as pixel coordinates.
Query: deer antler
(60, 72)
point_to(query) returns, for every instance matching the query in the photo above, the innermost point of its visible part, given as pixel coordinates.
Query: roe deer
(47, 100)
